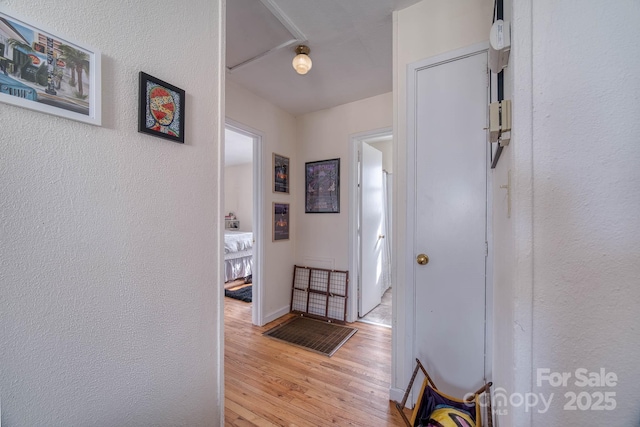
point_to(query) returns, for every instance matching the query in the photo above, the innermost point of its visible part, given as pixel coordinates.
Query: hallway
(381, 315)
(268, 383)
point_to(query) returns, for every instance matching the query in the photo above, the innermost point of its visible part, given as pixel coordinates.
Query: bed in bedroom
(238, 255)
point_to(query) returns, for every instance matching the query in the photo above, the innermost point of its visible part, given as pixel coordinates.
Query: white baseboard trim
(278, 313)
(396, 394)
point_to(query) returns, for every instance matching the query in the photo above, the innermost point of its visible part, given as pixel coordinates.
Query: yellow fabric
(425, 385)
(450, 417)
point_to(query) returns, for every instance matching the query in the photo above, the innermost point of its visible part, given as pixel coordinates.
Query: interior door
(450, 222)
(371, 226)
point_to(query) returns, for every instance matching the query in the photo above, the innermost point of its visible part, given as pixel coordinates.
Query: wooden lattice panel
(320, 293)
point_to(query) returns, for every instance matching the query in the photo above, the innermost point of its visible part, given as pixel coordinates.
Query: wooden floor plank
(270, 383)
(247, 417)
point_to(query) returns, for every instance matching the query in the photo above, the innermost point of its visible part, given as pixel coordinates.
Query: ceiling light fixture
(302, 63)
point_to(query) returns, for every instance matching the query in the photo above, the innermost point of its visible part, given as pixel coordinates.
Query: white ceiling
(350, 41)
(238, 148)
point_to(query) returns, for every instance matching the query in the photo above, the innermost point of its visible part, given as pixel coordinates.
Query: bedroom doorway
(242, 199)
(371, 226)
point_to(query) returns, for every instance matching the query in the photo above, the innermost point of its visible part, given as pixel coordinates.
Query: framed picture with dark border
(161, 109)
(280, 174)
(280, 221)
(322, 186)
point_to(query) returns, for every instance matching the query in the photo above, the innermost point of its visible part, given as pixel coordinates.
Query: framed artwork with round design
(161, 109)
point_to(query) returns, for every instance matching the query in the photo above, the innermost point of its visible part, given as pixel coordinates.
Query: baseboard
(279, 313)
(396, 394)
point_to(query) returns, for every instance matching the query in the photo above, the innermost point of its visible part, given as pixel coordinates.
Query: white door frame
(407, 306)
(257, 306)
(354, 208)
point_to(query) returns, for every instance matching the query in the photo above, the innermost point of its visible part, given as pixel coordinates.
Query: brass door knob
(422, 259)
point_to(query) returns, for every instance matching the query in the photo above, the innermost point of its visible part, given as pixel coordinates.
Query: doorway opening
(243, 222)
(371, 217)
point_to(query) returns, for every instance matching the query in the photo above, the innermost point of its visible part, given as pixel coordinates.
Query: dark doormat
(315, 335)
(243, 294)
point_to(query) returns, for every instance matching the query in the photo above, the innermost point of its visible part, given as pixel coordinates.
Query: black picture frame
(280, 174)
(322, 186)
(160, 109)
(281, 216)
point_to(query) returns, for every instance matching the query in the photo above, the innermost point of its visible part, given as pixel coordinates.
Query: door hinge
(486, 249)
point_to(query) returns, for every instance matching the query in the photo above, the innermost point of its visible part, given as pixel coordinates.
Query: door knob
(422, 259)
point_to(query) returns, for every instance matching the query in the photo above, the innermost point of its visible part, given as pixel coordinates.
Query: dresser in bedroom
(231, 224)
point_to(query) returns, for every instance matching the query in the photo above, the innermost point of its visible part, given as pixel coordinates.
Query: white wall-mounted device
(499, 45)
(500, 122)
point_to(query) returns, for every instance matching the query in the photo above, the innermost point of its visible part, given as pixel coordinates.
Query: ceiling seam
(299, 37)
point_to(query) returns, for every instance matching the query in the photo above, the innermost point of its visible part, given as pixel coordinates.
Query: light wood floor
(269, 383)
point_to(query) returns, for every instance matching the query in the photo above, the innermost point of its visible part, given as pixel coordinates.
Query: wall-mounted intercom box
(500, 122)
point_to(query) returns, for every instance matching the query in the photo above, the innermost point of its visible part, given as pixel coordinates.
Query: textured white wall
(110, 296)
(325, 135)
(586, 232)
(279, 130)
(421, 31)
(238, 193)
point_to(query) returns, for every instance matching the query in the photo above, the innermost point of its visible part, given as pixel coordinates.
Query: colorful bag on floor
(436, 409)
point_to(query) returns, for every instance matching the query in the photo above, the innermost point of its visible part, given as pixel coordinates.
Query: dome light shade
(302, 63)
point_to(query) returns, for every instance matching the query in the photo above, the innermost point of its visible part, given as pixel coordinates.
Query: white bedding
(238, 265)
(237, 241)
(238, 254)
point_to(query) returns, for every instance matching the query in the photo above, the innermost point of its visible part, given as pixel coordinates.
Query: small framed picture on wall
(43, 71)
(280, 221)
(160, 109)
(280, 174)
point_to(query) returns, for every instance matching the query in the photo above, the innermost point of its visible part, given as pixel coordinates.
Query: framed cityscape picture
(322, 186)
(280, 221)
(280, 174)
(48, 73)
